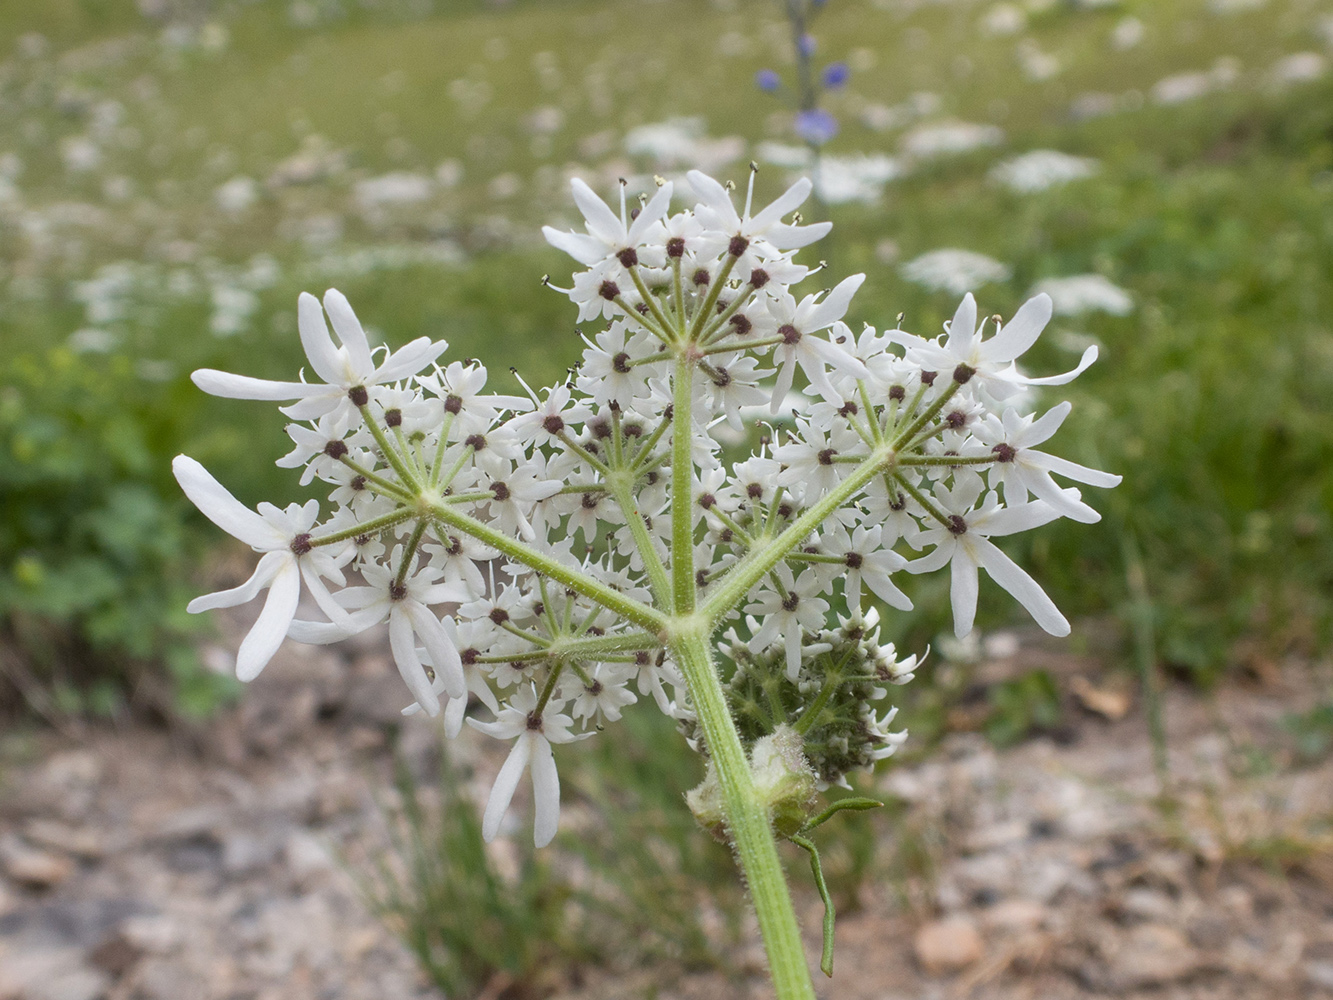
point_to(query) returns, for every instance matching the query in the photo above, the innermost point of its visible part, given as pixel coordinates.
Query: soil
(138, 863)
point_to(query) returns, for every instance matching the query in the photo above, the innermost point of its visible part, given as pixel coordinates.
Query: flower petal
(404, 648)
(602, 222)
(587, 250)
(324, 357)
(963, 589)
(788, 201)
(259, 579)
(656, 208)
(217, 504)
(268, 631)
(1021, 332)
(439, 646)
(545, 792)
(1013, 578)
(349, 331)
(502, 792)
(230, 386)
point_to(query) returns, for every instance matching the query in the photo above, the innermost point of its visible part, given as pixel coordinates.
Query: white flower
(284, 538)
(609, 237)
(1024, 471)
(344, 369)
(1080, 293)
(796, 326)
(965, 545)
(735, 232)
(954, 271)
(532, 749)
(789, 615)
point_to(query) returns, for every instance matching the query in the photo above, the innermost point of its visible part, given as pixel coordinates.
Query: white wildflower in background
(1084, 293)
(859, 178)
(1041, 169)
(236, 195)
(950, 138)
(954, 271)
(1297, 68)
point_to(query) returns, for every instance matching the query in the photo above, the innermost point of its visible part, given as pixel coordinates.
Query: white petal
(1015, 518)
(502, 792)
(230, 386)
(602, 222)
(259, 579)
(712, 194)
(409, 359)
(1013, 578)
(443, 654)
(545, 792)
(1089, 356)
(886, 591)
(788, 201)
(587, 250)
(1072, 470)
(219, 506)
(404, 649)
(963, 588)
(268, 631)
(834, 305)
(349, 331)
(1021, 332)
(964, 323)
(786, 237)
(324, 357)
(1044, 426)
(656, 208)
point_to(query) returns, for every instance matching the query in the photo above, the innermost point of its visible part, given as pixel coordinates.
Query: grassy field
(173, 173)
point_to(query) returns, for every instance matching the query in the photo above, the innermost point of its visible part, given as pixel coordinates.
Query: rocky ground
(139, 863)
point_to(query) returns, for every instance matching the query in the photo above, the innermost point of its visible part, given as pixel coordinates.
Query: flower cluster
(549, 555)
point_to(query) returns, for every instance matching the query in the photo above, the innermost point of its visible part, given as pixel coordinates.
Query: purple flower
(835, 75)
(816, 126)
(767, 81)
(806, 45)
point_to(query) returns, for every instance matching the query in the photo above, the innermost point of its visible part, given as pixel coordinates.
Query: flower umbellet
(563, 554)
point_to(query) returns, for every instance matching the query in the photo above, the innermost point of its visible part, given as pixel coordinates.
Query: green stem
(682, 482)
(613, 600)
(747, 817)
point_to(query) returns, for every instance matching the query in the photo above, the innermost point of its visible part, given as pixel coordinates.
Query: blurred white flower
(1083, 293)
(1041, 169)
(954, 271)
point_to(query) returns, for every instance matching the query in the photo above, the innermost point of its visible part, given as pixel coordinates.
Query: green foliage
(443, 894)
(93, 535)
(1019, 707)
(646, 886)
(1311, 732)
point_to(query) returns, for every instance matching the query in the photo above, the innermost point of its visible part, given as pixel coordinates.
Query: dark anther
(722, 378)
(634, 213)
(652, 478)
(754, 491)
(855, 632)
(455, 546)
(789, 334)
(620, 363)
(589, 501)
(628, 257)
(784, 510)
(601, 427)
(609, 290)
(453, 404)
(593, 629)
(553, 424)
(963, 373)
(642, 309)
(358, 483)
(742, 323)
(397, 591)
(849, 409)
(956, 419)
(670, 411)
(899, 502)
(301, 544)
(595, 688)
(539, 609)
(738, 246)
(721, 306)
(358, 395)
(363, 539)
(701, 579)
(759, 277)
(826, 456)
(393, 418)
(336, 449)
(469, 656)
(854, 560)
(475, 441)
(500, 491)
(706, 500)
(1004, 452)
(675, 247)
(957, 526)
(641, 658)
(790, 601)
(534, 722)
(632, 430)
(928, 378)
(897, 392)
(499, 616)
(726, 536)
(701, 276)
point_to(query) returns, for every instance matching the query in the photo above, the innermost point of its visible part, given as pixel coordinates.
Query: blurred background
(174, 172)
